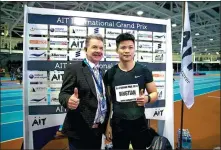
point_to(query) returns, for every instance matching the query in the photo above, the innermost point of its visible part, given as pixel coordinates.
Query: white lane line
(11, 140)
(199, 95)
(214, 97)
(2, 101)
(11, 122)
(11, 105)
(199, 87)
(11, 112)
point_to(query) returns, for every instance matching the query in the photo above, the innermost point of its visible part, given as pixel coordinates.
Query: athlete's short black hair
(124, 37)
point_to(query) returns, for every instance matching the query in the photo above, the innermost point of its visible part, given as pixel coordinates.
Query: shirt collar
(91, 64)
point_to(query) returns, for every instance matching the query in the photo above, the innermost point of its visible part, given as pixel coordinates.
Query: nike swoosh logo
(138, 76)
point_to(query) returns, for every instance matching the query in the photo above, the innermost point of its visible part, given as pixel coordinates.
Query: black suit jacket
(79, 122)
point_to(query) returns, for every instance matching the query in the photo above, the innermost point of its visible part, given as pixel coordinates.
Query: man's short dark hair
(124, 37)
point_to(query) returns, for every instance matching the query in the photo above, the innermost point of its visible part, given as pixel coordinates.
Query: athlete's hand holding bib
(142, 99)
(73, 101)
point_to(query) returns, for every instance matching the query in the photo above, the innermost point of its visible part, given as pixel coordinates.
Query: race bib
(127, 93)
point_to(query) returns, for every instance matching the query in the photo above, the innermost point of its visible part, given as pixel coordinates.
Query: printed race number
(127, 93)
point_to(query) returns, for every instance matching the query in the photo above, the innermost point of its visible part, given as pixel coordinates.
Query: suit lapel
(89, 79)
(102, 72)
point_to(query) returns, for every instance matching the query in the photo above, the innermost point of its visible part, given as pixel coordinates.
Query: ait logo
(96, 30)
(158, 112)
(39, 122)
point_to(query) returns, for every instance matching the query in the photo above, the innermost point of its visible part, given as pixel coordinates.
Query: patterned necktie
(101, 99)
(96, 73)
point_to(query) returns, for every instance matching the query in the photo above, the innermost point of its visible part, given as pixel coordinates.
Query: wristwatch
(149, 98)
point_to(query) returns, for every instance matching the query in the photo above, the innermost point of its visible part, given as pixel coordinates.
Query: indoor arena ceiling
(204, 16)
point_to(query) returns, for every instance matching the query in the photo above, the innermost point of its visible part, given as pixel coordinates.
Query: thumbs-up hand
(73, 101)
(142, 99)
(141, 92)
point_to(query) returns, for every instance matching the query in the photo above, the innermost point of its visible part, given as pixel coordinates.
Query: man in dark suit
(83, 94)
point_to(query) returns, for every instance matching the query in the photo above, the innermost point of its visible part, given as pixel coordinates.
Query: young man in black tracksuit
(126, 83)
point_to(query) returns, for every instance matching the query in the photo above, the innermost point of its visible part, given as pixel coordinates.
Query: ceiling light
(208, 53)
(139, 13)
(197, 34)
(194, 47)
(22, 35)
(205, 49)
(217, 53)
(174, 25)
(2, 33)
(211, 39)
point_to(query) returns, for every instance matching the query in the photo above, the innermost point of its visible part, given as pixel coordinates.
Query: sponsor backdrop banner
(54, 39)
